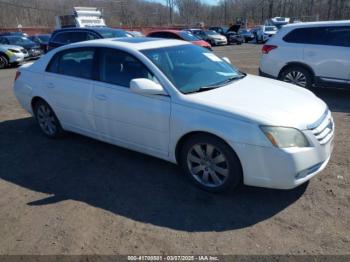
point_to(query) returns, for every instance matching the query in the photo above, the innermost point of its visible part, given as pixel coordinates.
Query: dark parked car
(32, 48)
(230, 32)
(246, 34)
(67, 36)
(42, 40)
(14, 33)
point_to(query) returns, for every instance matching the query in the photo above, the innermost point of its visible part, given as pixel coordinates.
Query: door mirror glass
(146, 87)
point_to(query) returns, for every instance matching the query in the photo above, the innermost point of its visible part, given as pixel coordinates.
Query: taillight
(267, 48)
(18, 74)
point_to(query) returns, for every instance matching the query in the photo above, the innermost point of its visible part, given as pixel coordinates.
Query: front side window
(191, 68)
(76, 62)
(339, 36)
(119, 68)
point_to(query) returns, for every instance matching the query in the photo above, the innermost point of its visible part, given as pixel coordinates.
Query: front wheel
(298, 76)
(4, 62)
(47, 120)
(210, 163)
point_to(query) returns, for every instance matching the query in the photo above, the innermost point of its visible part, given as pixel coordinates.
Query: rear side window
(71, 37)
(76, 62)
(119, 68)
(333, 36)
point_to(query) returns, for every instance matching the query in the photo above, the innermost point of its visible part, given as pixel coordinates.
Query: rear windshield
(271, 28)
(188, 36)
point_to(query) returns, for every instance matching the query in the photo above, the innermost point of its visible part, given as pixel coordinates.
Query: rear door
(68, 83)
(328, 53)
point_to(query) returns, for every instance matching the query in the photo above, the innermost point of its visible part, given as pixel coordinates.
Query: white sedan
(180, 102)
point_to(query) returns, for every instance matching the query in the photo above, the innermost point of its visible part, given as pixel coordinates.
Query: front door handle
(101, 97)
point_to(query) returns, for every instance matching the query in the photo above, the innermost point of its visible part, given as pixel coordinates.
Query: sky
(210, 2)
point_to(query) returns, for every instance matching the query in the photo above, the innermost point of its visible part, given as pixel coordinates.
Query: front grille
(23, 51)
(323, 129)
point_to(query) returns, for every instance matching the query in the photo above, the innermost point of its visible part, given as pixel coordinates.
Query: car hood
(30, 46)
(263, 101)
(11, 47)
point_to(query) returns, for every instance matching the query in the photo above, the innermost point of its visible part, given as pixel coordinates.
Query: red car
(180, 35)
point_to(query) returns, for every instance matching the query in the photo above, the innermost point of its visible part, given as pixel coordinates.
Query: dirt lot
(80, 196)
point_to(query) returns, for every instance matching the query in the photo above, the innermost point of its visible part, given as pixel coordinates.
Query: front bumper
(272, 167)
(220, 42)
(16, 58)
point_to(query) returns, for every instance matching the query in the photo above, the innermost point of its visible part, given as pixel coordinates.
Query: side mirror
(226, 59)
(145, 86)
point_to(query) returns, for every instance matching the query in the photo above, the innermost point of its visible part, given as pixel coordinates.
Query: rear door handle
(101, 97)
(50, 85)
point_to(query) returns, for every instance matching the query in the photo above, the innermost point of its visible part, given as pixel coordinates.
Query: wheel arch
(185, 137)
(300, 64)
(4, 54)
(35, 100)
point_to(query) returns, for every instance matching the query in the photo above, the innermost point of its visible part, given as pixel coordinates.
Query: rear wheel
(47, 120)
(297, 75)
(4, 62)
(210, 163)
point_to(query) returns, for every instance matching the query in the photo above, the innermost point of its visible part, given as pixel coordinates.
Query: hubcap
(295, 77)
(46, 120)
(208, 165)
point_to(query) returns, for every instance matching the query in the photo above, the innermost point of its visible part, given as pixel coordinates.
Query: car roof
(94, 29)
(316, 24)
(131, 43)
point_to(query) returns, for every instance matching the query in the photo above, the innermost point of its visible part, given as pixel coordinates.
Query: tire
(47, 120)
(4, 62)
(297, 75)
(210, 163)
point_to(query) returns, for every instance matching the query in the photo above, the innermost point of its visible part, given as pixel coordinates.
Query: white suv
(309, 54)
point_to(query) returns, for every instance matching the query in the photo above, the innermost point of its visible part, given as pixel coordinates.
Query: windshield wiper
(219, 84)
(226, 81)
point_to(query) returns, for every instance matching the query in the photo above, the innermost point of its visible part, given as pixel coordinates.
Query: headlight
(14, 51)
(284, 137)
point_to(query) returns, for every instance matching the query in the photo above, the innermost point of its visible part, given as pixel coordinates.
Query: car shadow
(127, 183)
(337, 99)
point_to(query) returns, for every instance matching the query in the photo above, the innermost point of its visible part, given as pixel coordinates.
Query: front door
(136, 121)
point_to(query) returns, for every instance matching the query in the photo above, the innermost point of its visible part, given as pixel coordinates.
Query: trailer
(82, 17)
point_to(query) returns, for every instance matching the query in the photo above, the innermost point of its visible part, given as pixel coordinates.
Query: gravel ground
(80, 196)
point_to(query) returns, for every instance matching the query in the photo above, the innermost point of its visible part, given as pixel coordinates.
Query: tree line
(135, 13)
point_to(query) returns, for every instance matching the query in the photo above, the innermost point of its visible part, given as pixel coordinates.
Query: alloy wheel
(208, 165)
(46, 119)
(296, 77)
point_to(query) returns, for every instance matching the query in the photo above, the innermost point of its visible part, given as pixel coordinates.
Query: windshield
(18, 40)
(211, 32)
(111, 33)
(188, 36)
(192, 68)
(270, 28)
